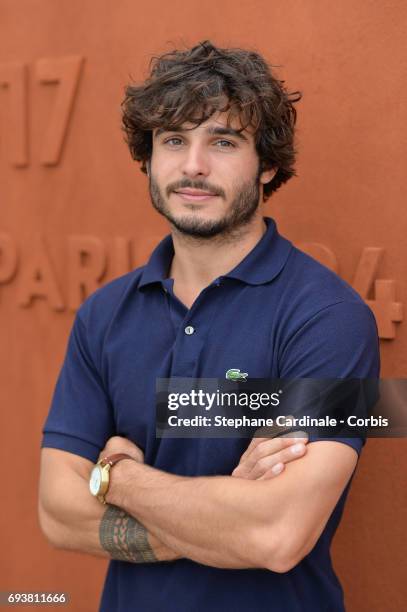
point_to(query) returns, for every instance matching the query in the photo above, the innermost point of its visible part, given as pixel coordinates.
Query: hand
(265, 458)
(118, 444)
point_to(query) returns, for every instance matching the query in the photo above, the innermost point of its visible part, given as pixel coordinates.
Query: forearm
(82, 523)
(73, 523)
(218, 520)
(125, 538)
(230, 522)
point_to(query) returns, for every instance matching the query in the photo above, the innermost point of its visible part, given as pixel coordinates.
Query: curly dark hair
(191, 85)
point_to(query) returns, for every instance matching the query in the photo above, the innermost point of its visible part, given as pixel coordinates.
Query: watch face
(95, 480)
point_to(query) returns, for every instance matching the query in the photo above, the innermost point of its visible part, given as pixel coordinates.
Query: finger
(269, 433)
(291, 452)
(267, 448)
(255, 442)
(275, 471)
(285, 456)
(264, 448)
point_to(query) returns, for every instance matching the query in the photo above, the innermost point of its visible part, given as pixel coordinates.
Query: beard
(241, 211)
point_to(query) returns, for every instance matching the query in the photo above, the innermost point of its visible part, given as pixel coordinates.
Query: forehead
(217, 123)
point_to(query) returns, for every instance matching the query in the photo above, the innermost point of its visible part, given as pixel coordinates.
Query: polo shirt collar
(266, 260)
(261, 265)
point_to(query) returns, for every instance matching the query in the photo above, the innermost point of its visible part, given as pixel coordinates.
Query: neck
(197, 262)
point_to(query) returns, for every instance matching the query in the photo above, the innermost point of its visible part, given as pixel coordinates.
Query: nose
(195, 162)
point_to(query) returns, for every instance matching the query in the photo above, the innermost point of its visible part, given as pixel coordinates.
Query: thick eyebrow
(213, 131)
(222, 131)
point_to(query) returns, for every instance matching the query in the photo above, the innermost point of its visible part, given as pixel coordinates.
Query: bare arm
(72, 519)
(230, 522)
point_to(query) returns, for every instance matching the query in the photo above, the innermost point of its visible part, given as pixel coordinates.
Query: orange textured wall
(74, 213)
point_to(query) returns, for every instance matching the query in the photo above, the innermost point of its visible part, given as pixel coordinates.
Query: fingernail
(276, 469)
(297, 449)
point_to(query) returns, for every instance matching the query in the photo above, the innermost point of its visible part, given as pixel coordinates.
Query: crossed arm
(222, 521)
(72, 519)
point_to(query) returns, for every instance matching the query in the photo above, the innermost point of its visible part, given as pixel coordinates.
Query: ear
(267, 175)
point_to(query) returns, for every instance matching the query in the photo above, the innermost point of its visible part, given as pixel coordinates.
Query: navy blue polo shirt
(278, 313)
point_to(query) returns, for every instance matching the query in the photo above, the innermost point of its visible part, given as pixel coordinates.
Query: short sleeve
(339, 341)
(80, 419)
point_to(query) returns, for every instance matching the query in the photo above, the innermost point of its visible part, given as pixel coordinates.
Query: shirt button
(189, 330)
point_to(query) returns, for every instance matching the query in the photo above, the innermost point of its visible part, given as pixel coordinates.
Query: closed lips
(195, 195)
(194, 192)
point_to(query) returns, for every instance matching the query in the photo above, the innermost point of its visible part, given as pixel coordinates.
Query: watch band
(112, 459)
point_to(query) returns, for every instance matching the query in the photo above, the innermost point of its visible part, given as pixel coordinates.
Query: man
(187, 529)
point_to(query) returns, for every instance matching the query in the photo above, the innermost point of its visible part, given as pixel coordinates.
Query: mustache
(199, 184)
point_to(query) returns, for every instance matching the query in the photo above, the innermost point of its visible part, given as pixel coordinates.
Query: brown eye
(224, 144)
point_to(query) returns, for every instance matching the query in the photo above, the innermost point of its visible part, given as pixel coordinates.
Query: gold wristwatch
(100, 475)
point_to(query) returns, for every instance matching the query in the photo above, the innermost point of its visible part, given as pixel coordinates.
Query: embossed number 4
(380, 294)
(387, 311)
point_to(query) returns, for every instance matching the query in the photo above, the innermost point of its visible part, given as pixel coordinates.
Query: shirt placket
(191, 327)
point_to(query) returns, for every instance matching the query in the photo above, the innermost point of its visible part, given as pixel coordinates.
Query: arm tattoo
(125, 538)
